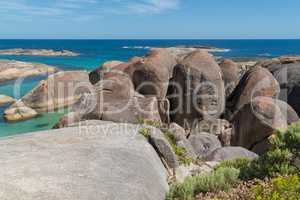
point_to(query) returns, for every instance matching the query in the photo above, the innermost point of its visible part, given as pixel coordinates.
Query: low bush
(236, 163)
(221, 179)
(180, 152)
(282, 159)
(145, 132)
(281, 188)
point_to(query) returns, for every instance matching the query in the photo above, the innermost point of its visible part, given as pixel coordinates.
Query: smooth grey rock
(164, 148)
(178, 131)
(180, 136)
(95, 163)
(190, 152)
(218, 127)
(231, 153)
(183, 171)
(204, 144)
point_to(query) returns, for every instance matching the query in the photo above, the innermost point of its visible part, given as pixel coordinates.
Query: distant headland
(37, 52)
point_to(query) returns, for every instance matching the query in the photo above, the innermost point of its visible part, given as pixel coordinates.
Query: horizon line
(150, 38)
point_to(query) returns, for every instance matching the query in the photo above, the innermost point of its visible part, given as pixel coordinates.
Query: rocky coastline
(11, 70)
(200, 47)
(149, 123)
(37, 52)
(6, 99)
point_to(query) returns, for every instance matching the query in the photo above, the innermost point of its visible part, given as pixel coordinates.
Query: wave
(265, 54)
(136, 47)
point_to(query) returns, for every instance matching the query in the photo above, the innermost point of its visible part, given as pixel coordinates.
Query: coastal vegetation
(273, 176)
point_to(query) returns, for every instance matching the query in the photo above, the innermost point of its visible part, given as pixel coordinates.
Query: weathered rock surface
(286, 70)
(184, 171)
(178, 131)
(163, 147)
(115, 85)
(180, 52)
(181, 140)
(19, 112)
(230, 153)
(11, 70)
(131, 111)
(218, 127)
(6, 99)
(197, 90)
(256, 82)
(69, 120)
(37, 52)
(117, 110)
(96, 75)
(230, 72)
(258, 120)
(60, 90)
(110, 162)
(204, 144)
(151, 74)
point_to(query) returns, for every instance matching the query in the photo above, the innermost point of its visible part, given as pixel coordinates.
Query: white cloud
(154, 6)
(82, 9)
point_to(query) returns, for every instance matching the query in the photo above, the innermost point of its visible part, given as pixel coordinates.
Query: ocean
(94, 52)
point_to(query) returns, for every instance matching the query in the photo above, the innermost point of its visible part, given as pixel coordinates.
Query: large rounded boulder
(230, 71)
(230, 153)
(286, 70)
(116, 84)
(95, 75)
(197, 89)
(204, 143)
(60, 90)
(151, 74)
(256, 82)
(259, 119)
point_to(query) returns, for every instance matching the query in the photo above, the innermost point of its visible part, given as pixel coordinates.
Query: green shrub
(180, 152)
(148, 122)
(280, 160)
(281, 188)
(273, 163)
(145, 132)
(236, 163)
(220, 180)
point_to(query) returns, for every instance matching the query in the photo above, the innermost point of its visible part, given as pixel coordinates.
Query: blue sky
(150, 19)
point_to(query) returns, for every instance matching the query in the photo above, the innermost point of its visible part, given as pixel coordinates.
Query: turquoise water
(94, 52)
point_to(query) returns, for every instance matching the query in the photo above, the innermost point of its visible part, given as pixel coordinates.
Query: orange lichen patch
(228, 63)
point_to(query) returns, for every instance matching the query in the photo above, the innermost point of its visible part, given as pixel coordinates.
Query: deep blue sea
(94, 52)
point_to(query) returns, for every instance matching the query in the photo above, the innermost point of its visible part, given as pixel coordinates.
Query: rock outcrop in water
(11, 70)
(60, 90)
(6, 99)
(37, 52)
